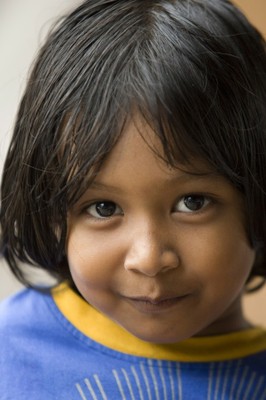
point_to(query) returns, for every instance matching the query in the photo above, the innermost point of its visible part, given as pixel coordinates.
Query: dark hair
(194, 69)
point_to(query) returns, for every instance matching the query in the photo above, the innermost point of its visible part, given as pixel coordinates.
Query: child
(136, 177)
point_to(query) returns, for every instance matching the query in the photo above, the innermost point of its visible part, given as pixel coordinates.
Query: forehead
(139, 155)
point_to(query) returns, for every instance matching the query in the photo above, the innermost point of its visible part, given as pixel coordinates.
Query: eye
(104, 209)
(192, 203)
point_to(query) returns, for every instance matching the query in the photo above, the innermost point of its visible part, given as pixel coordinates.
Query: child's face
(162, 252)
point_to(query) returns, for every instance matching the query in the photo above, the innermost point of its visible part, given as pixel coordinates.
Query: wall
(23, 24)
(256, 12)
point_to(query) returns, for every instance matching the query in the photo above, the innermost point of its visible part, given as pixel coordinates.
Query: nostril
(151, 261)
(170, 260)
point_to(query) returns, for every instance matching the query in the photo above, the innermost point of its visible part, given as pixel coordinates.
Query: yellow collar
(106, 332)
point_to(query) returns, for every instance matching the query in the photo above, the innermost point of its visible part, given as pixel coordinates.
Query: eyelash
(207, 200)
(94, 204)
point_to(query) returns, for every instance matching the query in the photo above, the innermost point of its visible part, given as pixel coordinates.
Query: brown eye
(192, 203)
(103, 209)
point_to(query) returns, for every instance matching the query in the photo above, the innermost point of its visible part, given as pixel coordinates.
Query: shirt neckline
(93, 324)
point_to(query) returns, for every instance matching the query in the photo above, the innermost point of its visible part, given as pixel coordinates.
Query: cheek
(222, 262)
(92, 258)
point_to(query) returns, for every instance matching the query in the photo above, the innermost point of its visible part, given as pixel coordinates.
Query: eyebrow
(187, 176)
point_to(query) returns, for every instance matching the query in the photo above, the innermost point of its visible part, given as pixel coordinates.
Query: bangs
(190, 107)
(166, 63)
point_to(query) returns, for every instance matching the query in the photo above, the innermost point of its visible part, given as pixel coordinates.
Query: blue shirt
(56, 347)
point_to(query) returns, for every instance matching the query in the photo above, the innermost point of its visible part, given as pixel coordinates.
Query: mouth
(157, 305)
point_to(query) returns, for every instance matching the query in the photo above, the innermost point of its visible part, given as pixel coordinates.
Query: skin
(164, 266)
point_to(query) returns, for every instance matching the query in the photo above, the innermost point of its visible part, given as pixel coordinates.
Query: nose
(150, 254)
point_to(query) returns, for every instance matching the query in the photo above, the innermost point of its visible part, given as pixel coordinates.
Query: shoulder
(26, 336)
(24, 318)
(20, 308)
